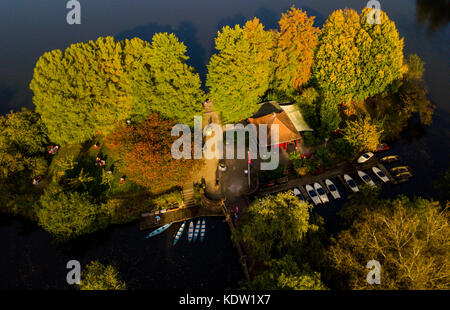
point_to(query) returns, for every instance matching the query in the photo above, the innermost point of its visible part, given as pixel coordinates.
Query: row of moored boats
(195, 231)
(318, 195)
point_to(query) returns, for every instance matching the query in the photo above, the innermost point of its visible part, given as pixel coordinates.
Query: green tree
(83, 90)
(240, 73)
(90, 88)
(177, 93)
(362, 134)
(97, 276)
(68, 214)
(355, 59)
(285, 274)
(410, 239)
(23, 141)
(294, 52)
(272, 224)
(381, 55)
(336, 69)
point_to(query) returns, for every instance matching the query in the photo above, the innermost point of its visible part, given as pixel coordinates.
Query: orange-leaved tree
(295, 49)
(144, 153)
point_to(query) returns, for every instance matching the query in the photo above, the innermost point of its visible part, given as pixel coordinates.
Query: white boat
(196, 230)
(366, 178)
(333, 189)
(365, 157)
(351, 183)
(380, 174)
(202, 230)
(322, 195)
(179, 233)
(298, 194)
(313, 195)
(191, 231)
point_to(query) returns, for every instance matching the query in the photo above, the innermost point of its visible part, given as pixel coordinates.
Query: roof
(296, 117)
(286, 130)
(289, 119)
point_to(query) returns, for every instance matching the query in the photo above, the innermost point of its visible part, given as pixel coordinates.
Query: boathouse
(289, 119)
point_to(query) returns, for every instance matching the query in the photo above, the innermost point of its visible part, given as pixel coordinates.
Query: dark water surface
(29, 259)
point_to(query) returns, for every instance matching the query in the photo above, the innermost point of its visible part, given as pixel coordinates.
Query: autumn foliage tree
(362, 134)
(410, 239)
(240, 73)
(295, 44)
(92, 87)
(336, 59)
(356, 59)
(144, 150)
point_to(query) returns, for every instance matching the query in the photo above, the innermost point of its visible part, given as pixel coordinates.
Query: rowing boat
(196, 230)
(380, 174)
(191, 231)
(332, 188)
(179, 233)
(202, 230)
(159, 230)
(366, 178)
(348, 179)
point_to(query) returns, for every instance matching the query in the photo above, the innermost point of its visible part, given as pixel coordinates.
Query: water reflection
(434, 13)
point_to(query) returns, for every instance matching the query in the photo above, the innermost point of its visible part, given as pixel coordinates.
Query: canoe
(366, 178)
(313, 194)
(400, 169)
(380, 174)
(404, 175)
(203, 230)
(179, 233)
(390, 158)
(196, 230)
(322, 195)
(351, 183)
(191, 231)
(333, 189)
(159, 230)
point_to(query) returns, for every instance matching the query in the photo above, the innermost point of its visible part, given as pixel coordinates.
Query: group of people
(234, 212)
(53, 149)
(100, 162)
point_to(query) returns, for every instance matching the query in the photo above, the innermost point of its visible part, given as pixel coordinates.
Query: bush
(69, 214)
(165, 201)
(100, 277)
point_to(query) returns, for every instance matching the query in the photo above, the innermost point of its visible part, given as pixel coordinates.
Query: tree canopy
(285, 274)
(240, 73)
(272, 223)
(410, 239)
(144, 153)
(97, 276)
(362, 134)
(91, 87)
(295, 44)
(354, 59)
(67, 214)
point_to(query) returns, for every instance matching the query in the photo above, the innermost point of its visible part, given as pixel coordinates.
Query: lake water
(28, 28)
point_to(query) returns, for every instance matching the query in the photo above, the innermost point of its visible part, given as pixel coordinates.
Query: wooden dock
(207, 208)
(337, 172)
